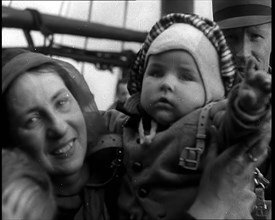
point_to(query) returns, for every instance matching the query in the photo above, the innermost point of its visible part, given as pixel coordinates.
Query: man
(122, 94)
(247, 27)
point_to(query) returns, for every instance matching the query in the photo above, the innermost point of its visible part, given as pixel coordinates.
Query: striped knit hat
(209, 28)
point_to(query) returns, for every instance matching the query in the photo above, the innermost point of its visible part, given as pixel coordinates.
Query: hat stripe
(241, 11)
(208, 27)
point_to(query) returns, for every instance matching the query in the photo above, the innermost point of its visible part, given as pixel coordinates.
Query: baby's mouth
(164, 101)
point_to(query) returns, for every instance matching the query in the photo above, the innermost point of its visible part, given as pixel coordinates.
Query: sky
(141, 16)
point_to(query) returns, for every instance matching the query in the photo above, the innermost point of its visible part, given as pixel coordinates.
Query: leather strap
(108, 141)
(114, 142)
(190, 156)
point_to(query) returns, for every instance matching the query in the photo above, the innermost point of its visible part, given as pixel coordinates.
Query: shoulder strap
(190, 156)
(107, 141)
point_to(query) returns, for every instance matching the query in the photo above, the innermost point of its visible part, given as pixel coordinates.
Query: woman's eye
(64, 102)
(32, 121)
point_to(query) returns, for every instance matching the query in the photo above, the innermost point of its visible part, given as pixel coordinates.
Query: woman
(46, 103)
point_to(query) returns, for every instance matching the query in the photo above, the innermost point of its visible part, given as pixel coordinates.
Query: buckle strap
(260, 206)
(107, 141)
(260, 209)
(190, 156)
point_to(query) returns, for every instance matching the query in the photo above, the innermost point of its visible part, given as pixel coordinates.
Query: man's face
(122, 92)
(252, 41)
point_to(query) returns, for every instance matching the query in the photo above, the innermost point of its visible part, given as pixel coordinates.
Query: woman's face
(46, 120)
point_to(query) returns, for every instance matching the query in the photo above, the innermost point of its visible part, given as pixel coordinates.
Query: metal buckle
(260, 206)
(201, 136)
(261, 209)
(189, 163)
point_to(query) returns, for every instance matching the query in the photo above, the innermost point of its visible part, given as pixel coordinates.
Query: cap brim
(243, 21)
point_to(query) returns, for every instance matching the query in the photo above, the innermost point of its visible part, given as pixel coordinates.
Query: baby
(26, 188)
(178, 84)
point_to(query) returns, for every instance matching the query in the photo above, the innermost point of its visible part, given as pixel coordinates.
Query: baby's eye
(155, 74)
(185, 76)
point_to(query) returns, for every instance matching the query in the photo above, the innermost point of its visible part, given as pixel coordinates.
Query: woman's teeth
(64, 149)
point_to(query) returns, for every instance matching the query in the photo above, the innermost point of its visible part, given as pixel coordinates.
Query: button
(137, 166)
(142, 192)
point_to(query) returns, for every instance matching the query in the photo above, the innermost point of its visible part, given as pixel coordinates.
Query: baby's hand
(255, 89)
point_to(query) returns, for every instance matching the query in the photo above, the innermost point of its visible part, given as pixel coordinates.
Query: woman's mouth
(65, 149)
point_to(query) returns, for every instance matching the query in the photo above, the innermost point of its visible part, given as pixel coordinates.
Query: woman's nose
(57, 127)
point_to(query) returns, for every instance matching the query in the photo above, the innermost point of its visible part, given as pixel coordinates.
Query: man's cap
(241, 13)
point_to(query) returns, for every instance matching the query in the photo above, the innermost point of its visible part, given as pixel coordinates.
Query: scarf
(24, 61)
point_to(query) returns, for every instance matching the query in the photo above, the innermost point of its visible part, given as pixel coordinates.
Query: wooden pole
(14, 18)
(177, 6)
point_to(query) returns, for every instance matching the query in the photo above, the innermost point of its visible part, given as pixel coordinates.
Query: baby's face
(172, 86)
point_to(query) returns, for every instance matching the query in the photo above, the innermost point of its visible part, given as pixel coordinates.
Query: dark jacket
(156, 184)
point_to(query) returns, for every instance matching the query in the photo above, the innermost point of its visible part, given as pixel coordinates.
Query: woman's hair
(8, 54)
(27, 191)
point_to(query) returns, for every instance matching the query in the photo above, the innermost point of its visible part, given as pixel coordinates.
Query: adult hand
(226, 188)
(255, 89)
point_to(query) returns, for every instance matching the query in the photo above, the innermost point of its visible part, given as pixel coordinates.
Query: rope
(39, 24)
(61, 9)
(124, 21)
(66, 14)
(86, 39)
